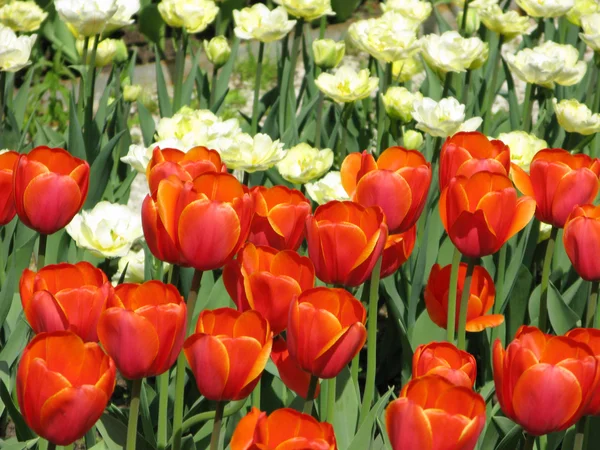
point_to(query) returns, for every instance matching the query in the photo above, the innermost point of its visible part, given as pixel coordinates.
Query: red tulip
(558, 181)
(143, 328)
(344, 241)
(228, 352)
(63, 386)
(279, 217)
(266, 280)
(65, 297)
(582, 241)
(467, 153)
(50, 187)
(183, 165)
(590, 337)
(398, 183)
(544, 383)
(7, 204)
(325, 330)
(434, 414)
(398, 248)
(446, 360)
(284, 429)
(291, 374)
(481, 299)
(481, 213)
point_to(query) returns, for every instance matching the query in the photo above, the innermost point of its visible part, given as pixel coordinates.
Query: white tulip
(327, 188)
(260, 23)
(443, 118)
(86, 17)
(14, 51)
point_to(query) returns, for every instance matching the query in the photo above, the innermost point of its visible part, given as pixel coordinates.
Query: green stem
(179, 69)
(447, 84)
(230, 410)
(369, 394)
(41, 261)
(331, 391)
(312, 388)
(527, 108)
(385, 83)
(500, 272)
(464, 305)
(322, 27)
(90, 438)
(528, 442)
(320, 104)
(597, 96)
(134, 410)
(84, 53)
(289, 86)
(463, 25)
(465, 96)
(451, 321)
(580, 430)
(216, 432)
(2, 97)
(543, 316)
(256, 104)
(491, 92)
(592, 304)
(256, 395)
(213, 86)
(163, 406)
(342, 151)
(89, 104)
(354, 370)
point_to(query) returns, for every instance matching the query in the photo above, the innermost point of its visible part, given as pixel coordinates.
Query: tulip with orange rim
(279, 217)
(544, 383)
(398, 248)
(63, 386)
(398, 183)
(467, 153)
(281, 430)
(434, 414)
(344, 241)
(291, 374)
(65, 297)
(445, 359)
(7, 203)
(590, 337)
(267, 280)
(50, 186)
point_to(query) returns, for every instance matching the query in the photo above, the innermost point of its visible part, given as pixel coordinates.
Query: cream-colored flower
(134, 261)
(405, 69)
(443, 118)
(328, 53)
(308, 10)
(399, 102)
(547, 64)
(523, 146)
(412, 140)
(576, 117)
(108, 230)
(546, 8)
(106, 52)
(581, 9)
(139, 156)
(126, 9)
(591, 31)
(416, 10)
(327, 189)
(450, 52)
(86, 17)
(260, 23)
(217, 50)
(253, 154)
(131, 92)
(477, 4)
(22, 16)
(508, 24)
(347, 85)
(14, 51)
(388, 38)
(193, 15)
(304, 163)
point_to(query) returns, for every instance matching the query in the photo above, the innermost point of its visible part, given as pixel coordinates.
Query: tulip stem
(500, 273)
(256, 104)
(592, 304)
(2, 97)
(216, 432)
(580, 430)
(527, 108)
(213, 85)
(331, 391)
(371, 342)
(543, 316)
(231, 409)
(354, 370)
(464, 305)
(528, 442)
(41, 261)
(89, 103)
(179, 69)
(256, 395)
(451, 321)
(310, 396)
(163, 405)
(320, 104)
(134, 410)
(463, 25)
(447, 84)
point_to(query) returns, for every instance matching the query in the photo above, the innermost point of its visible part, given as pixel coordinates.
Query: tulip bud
(22, 16)
(132, 92)
(399, 103)
(217, 50)
(413, 140)
(328, 53)
(473, 20)
(121, 53)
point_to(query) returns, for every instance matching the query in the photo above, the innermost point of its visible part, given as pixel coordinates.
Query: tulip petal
(471, 235)
(291, 374)
(244, 431)
(446, 429)
(341, 349)
(342, 244)
(578, 187)
(208, 356)
(245, 355)
(408, 426)
(486, 321)
(271, 296)
(45, 314)
(522, 180)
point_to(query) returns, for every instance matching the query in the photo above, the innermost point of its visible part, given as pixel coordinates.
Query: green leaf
(76, 144)
(21, 429)
(517, 301)
(425, 331)
(164, 101)
(346, 408)
(364, 436)
(188, 85)
(226, 71)
(114, 433)
(100, 171)
(562, 317)
(146, 124)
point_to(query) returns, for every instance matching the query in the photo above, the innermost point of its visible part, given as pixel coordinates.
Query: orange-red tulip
(398, 183)
(291, 374)
(590, 337)
(558, 181)
(446, 360)
(481, 213)
(582, 241)
(228, 352)
(543, 382)
(65, 297)
(50, 187)
(267, 280)
(481, 298)
(398, 248)
(344, 241)
(434, 414)
(201, 224)
(143, 328)
(283, 429)
(279, 217)
(183, 165)
(325, 330)
(63, 385)
(466, 153)
(7, 202)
